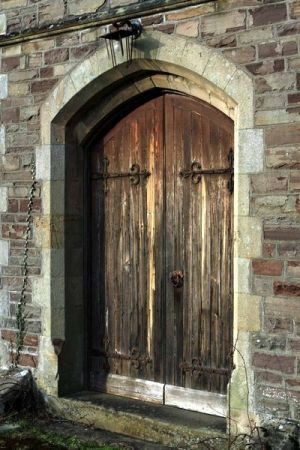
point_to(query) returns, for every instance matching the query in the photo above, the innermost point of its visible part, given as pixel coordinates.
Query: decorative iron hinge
(196, 172)
(135, 174)
(196, 367)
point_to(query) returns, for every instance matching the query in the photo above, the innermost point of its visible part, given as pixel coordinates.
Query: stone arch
(159, 61)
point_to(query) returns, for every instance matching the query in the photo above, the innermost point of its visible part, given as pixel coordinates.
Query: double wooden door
(161, 255)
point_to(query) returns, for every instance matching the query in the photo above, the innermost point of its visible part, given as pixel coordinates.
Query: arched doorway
(161, 223)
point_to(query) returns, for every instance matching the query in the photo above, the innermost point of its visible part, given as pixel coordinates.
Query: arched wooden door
(161, 271)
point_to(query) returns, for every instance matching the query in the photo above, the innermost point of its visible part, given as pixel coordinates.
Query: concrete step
(165, 425)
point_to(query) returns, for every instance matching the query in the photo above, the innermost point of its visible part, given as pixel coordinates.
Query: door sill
(150, 391)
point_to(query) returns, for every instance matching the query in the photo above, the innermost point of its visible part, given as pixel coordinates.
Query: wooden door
(157, 223)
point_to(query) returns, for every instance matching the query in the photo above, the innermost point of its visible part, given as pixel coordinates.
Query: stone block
(267, 267)
(55, 56)
(242, 275)
(263, 183)
(248, 237)
(283, 134)
(268, 14)
(288, 29)
(281, 363)
(3, 198)
(270, 101)
(2, 140)
(268, 205)
(295, 182)
(241, 55)
(18, 89)
(9, 4)
(3, 86)
(23, 75)
(4, 304)
(266, 67)
(282, 233)
(241, 197)
(257, 35)
(247, 312)
(223, 22)
(283, 157)
(2, 24)
(284, 289)
(191, 12)
(276, 82)
(77, 7)
(42, 86)
(295, 10)
(4, 249)
(190, 29)
(51, 11)
(250, 158)
(293, 269)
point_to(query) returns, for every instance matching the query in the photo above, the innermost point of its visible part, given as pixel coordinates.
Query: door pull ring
(176, 278)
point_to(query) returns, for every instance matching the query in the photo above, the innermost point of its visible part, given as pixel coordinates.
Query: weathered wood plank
(139, 389)
(196, 400)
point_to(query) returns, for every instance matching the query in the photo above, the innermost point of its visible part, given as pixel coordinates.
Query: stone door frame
(181, 65)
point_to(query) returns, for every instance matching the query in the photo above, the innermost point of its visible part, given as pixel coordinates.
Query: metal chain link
(20, 313)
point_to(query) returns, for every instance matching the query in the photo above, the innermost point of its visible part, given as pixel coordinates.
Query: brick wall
(261, 36)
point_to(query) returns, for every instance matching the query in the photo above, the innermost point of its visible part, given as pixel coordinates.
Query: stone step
(165, 425)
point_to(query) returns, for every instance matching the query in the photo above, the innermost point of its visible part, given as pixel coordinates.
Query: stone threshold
(160, 424)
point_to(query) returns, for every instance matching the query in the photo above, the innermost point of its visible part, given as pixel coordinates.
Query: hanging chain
(20, 313)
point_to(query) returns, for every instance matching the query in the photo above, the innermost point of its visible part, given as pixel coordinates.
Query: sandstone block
(277, 116)
(3, 86)
(190, 29)
(9, 4)
(251, 152)
(223, 22)
(281, 363)
(288, 29)
(4, 305)
(283, 157)
(192, 12)
(276, 82)
(270, 101)
(295, 183)
(3, 198)
(268, 377)
(44, 85)
(282, 135)
(257, 35)
(285, 289)
(18, 89)
(2, 24)
(266, 67)
(77, 7)
(282, 233)
(269, 250)
(263, 183)
(51, 11)
(222, 41)
(2, 139)
(268, 14)
(10, 163)
(55, 56)
(4, 250)
(293, 269)
(22, 75)
(30, 340)
(295, 10)
(267, 267)
(241, 55)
